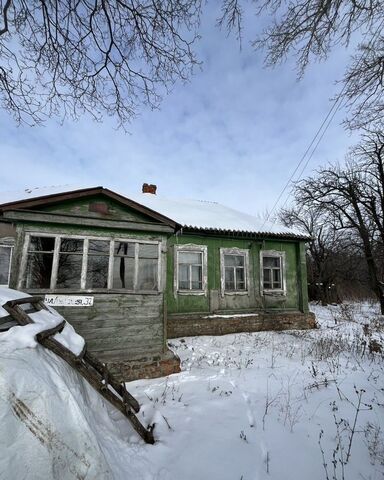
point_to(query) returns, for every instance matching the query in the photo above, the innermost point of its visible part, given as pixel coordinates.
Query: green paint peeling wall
(214, 301)
(80, 208)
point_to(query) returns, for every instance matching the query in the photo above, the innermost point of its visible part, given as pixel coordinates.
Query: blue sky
(233, 134)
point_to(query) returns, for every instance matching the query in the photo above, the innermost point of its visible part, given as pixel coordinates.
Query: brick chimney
(149, 188)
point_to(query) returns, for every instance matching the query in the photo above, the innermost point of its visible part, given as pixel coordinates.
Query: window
(97, 264)
(272, 268)
(87, 263)
(5, 264)
(234, 270)
(191, 269)
(135, 266)
(39, 262)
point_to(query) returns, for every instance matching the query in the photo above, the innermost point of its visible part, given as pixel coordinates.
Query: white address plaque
(68, 301)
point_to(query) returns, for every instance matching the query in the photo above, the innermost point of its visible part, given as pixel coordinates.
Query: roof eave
(244, 233)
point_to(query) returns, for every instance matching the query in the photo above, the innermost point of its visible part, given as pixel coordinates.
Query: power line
(319, 133)
(305, 154)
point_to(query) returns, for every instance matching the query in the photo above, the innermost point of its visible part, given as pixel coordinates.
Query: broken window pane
(124, 265)
(41, 244)
(123, 272)
(39, 270)
(125, 249)
(39, 262)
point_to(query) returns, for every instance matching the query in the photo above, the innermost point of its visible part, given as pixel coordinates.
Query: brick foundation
(148, 367)
(190, 325)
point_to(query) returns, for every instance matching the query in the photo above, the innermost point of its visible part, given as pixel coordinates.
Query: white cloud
(234, 133)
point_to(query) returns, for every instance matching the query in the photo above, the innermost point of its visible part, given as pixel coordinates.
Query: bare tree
(335, 265)
(109, 58)
(353, 198)
(322, 275)
(310, 29)
(104, 58)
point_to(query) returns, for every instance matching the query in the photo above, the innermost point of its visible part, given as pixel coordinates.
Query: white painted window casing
(234, 271)
(273, 272)
(190, 269)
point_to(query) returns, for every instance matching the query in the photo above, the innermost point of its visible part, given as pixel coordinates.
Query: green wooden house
(130, 273)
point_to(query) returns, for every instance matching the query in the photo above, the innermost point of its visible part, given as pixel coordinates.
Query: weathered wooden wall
(120, 327)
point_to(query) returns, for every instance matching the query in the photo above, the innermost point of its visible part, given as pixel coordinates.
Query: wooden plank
(50, 331)
(18, 215)
(119, 387)
(92, 324)
(88, 374)
(124, 333)
(22, 301)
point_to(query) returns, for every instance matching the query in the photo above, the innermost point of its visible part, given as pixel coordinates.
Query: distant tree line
(342, 209)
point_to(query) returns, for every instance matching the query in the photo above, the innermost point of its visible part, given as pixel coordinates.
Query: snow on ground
(251, 406)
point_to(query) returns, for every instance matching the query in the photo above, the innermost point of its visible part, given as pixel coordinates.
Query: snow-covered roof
(204, 215)
(191, 214)
(36, 192)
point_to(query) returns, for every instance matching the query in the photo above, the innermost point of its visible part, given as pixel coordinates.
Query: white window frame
(86, 238)
(190, 248)
(275, 254)
(4, 245)
(234, 251)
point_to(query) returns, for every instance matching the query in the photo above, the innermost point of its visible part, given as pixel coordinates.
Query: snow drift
(53, 424)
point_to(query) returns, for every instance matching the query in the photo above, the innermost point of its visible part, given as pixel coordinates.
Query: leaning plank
(51, 331)
(115, 384)
(21, 301)
(95, 372)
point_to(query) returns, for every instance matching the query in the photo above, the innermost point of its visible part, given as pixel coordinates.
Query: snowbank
(53, 425)
(24, 336)
(265, 406)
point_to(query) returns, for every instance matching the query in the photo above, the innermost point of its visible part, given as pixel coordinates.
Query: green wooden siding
(214, 300)
(80, 207)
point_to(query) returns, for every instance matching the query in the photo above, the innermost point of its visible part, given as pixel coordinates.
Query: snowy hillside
(269, 405)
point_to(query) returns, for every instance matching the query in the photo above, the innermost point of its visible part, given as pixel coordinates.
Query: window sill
(192, 292)
(274, 293)
(236, 292)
